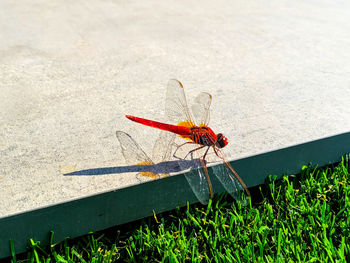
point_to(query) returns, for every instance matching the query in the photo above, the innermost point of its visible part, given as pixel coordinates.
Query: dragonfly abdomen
(180, 130)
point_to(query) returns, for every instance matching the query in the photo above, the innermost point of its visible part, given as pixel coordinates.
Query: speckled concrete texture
(279, 73)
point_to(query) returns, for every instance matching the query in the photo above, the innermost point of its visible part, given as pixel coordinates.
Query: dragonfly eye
(221, 141)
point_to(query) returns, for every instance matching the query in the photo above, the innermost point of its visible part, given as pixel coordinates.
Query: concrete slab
(279, 73)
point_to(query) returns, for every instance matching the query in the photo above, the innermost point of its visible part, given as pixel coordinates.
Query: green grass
(303, 218)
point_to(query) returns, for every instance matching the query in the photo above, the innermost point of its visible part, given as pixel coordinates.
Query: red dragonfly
(177, 111)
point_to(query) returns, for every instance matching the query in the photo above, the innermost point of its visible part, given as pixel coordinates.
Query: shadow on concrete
(160, 168)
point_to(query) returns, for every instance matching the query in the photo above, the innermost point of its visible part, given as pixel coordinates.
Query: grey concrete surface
(279, 73)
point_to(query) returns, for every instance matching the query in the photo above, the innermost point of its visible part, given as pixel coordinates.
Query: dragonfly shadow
(160, 168)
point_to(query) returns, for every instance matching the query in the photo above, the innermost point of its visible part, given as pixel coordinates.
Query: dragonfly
(195, 130)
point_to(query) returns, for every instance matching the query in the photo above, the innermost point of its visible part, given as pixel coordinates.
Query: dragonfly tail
(180, 130)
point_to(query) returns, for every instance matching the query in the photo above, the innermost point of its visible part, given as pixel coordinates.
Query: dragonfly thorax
(205, 136)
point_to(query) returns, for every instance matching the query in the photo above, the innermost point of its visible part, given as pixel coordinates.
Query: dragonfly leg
(178, 147)
(216, 151)
(237, 177)
(205, 154)
(205, 168)
(190, 152)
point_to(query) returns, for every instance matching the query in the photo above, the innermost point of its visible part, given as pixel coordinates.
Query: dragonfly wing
(163, 146)
(134, 155)
(200, 108)
(197, 179)
(231, 181)
(132, 152)
(176, 107)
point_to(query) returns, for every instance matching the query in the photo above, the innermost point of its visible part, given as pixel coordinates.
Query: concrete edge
(101, 211)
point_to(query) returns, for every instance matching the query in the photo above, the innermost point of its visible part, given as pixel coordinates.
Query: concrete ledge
(101, 211)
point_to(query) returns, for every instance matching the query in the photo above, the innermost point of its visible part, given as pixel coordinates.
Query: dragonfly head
(221, 140)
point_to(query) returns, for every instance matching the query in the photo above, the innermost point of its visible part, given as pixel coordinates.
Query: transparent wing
(162, 150)
(200, 108)
(197, 177)
(231, 181)
(134, 155)
(132, 152)
(176, 107)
